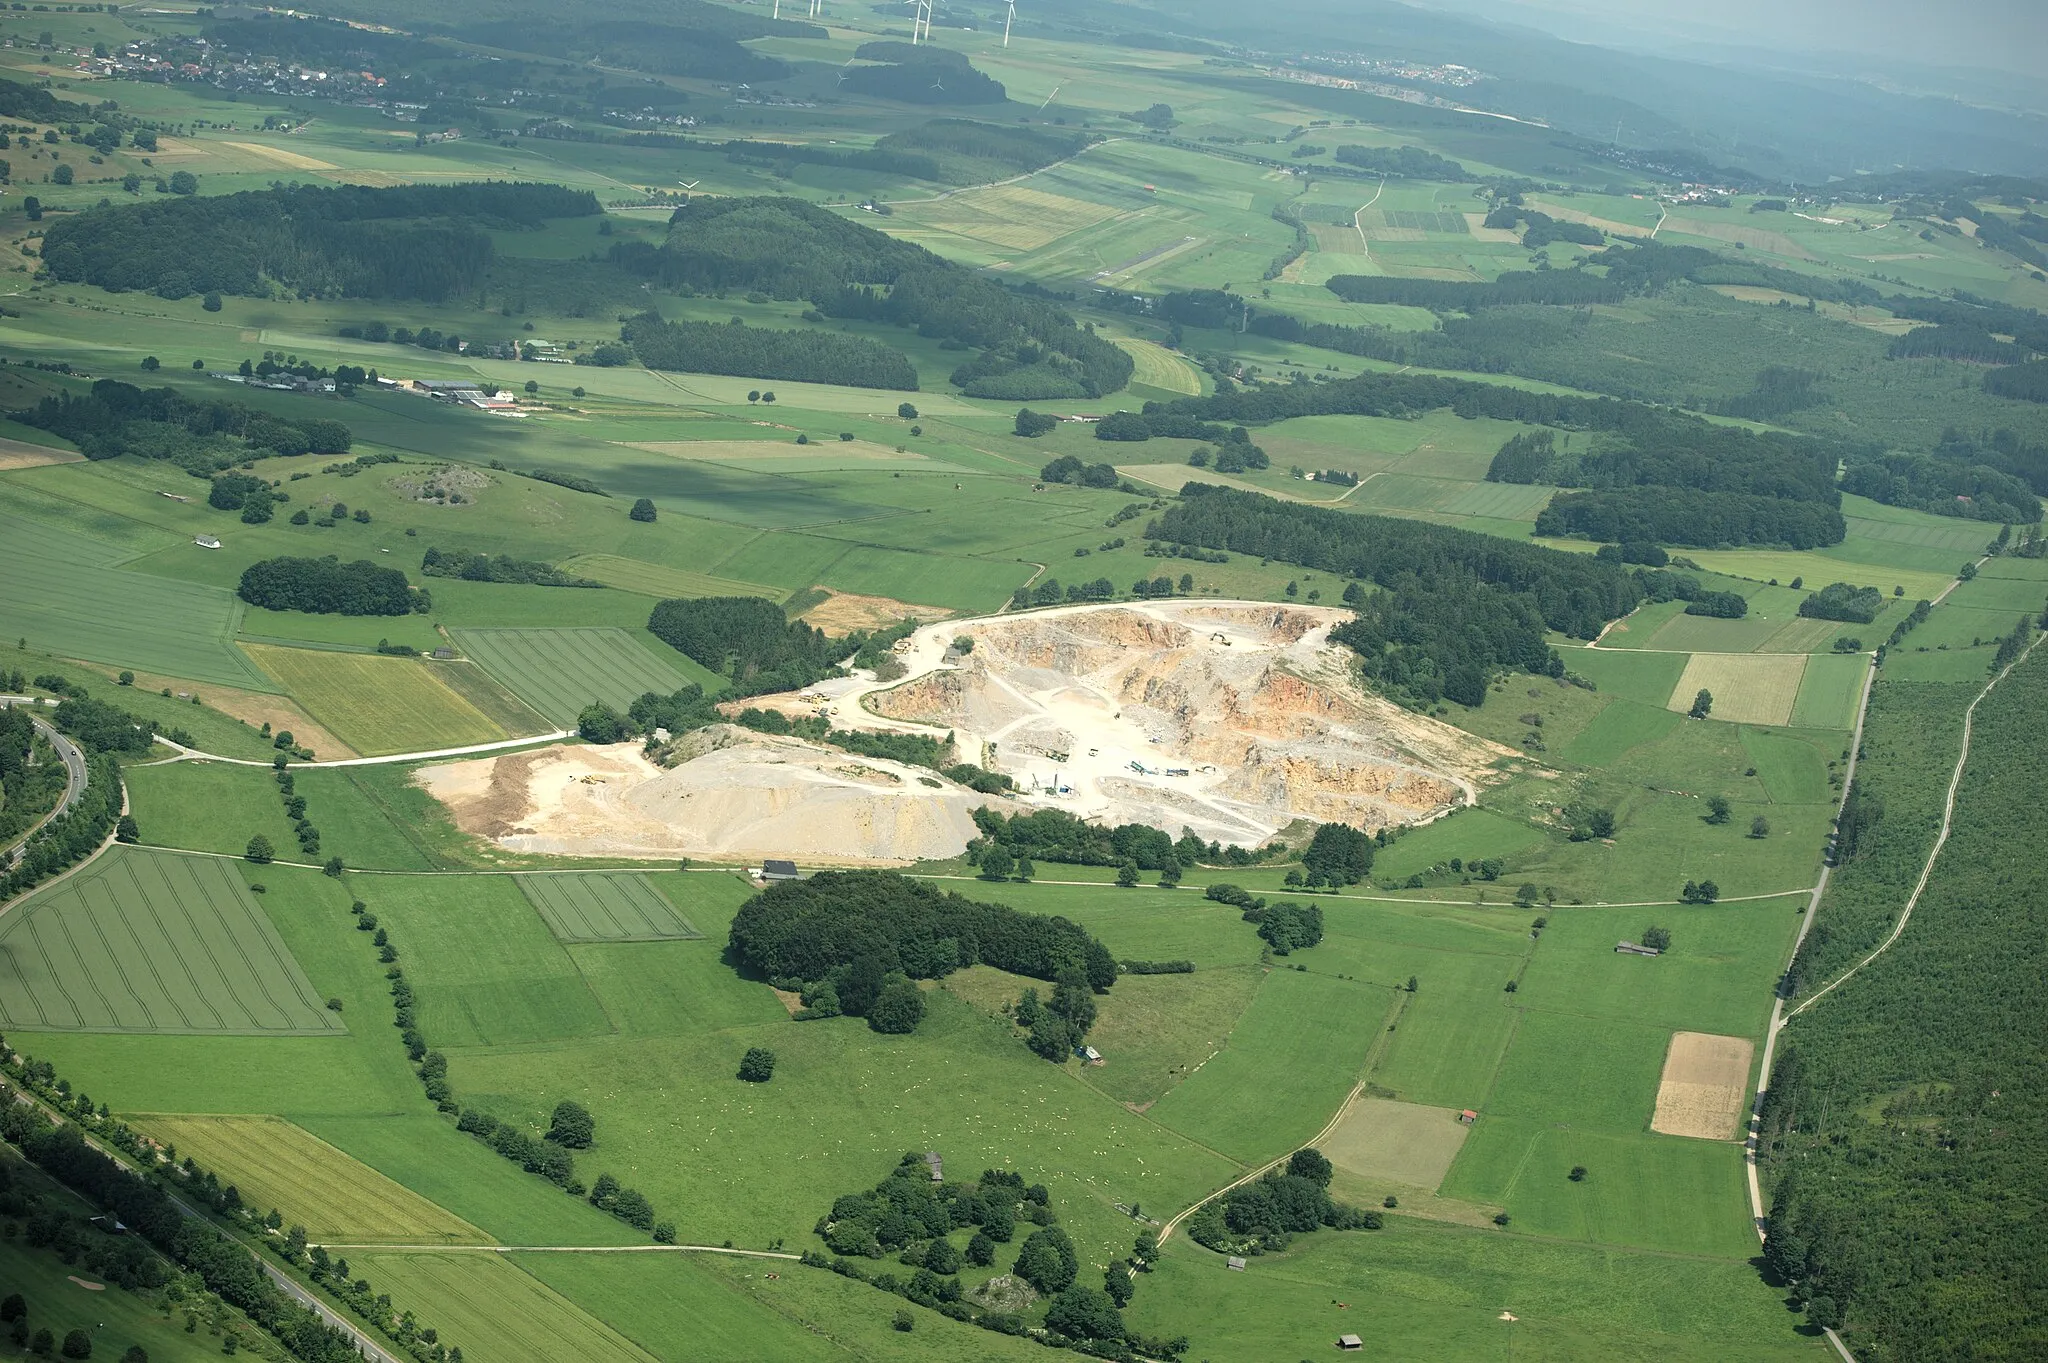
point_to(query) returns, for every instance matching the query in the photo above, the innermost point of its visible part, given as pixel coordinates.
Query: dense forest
(327, 586)
(35, 104)
(1458, 607)
(412, 241)
(750, 641)
(921, 74)
(971, 152)
(1661, 448)
(2026, 382)
(765, 353)
(1687, 516)
(1972, 491)
(1906, 1124)
(200, 436)
(794, 250)
(859, 930)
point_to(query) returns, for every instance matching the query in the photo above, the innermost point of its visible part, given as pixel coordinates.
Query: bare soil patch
(1706, 1078)
(845, 612)
(283, 157)
(19, 454)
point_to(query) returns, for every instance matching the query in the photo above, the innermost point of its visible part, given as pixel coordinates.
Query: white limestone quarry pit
(1233, 719)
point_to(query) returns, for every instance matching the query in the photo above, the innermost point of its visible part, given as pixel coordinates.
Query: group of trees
(1055, 835)
(750, 641)
(1543, 229)
(867, 934)
(789, 249)
(1458, 607)
(327, 586)
(1402, 163)
(910, 1215)
(203, 437)
(1843, 601)
(807, 356)
(499, 568)
(1267, 1213)
(411, 241)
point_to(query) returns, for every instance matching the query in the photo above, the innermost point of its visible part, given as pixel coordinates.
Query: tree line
(202, 436)
(1457, 606)
(1661, 448)
(327, 586)
(806, 356)
(1266, 1214)
(1946, 488)
(1401, 163)
(347, 241)
(499, 568)
(788, 249)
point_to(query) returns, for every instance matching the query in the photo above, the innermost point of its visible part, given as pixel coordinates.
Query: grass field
(152, 942)
(560, 671)
(377, 704)
(657, 580)
(64, 595)
(1401, 1142)
(338, 1199)
(605, 908)
(487, 969)
(1297, 1051)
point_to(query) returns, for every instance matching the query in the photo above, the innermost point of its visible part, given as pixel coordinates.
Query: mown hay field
(1748, 688)
(338, 1199)
(376, 704)
(490, 1308)
(605, 908)
(152, 942)
(560, 671)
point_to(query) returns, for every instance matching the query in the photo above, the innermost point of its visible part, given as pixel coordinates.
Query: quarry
(1233, 720)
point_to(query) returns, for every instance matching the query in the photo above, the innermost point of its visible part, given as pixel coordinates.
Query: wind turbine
(920, 20)
(939, 85)
(1008, 19)
(1051, 97)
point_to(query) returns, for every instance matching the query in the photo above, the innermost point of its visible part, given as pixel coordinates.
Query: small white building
(208, 542)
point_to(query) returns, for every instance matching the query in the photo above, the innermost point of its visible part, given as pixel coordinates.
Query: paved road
(74, 771)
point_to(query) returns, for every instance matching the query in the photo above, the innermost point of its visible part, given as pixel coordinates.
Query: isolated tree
(906, 411)
(1127, 874)
(898, 1007)
(532, 387)
(1717, 809)
(136, 1354)
(1578, 1173)
(12, 1309)
(1702, 704)
(943, 1257)
(1025, 870)
(184, 182)
(757, 1066)
(126, 829)
(904, 1321)
(77, 1344)
(1759, 827)
(150, 364)
(334, 867)
(259, 850)
(571, 1126)
(1169, 874)
(996, 862)
(643, 510)
(981, 1251)
(63, 175)
(754, 395)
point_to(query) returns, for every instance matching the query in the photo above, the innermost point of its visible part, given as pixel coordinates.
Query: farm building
(1088, 1055)
(1636, 949)
(208, 541)
(1350, 1342)
(1234, 1263)
(772, 869)
(1468, 1116)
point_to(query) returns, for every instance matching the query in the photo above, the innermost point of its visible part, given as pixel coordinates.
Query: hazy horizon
(2004, 35)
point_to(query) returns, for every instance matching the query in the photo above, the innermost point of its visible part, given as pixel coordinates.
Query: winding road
(74, 771)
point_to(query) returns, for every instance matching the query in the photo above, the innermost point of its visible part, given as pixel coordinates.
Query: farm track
(568, 1249)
